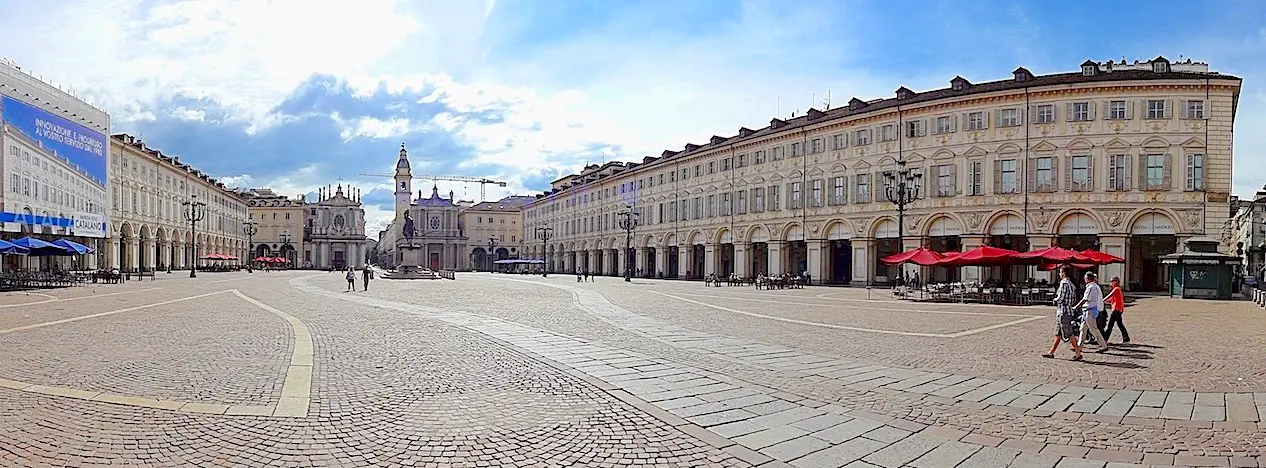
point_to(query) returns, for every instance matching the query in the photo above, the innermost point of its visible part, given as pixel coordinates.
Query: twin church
(424, 227)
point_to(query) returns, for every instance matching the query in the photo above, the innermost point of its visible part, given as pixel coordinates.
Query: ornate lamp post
(193, 211)
(544, 233)
(628, 222)
(492, 244)
(902, 188)
(285, 242)
(250, 228)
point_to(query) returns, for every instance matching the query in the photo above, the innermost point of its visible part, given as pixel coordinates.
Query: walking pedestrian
(1116, 303)
(1065, 315)
(366, 274)
(580, 275)
(1092, 299)
(351, 279)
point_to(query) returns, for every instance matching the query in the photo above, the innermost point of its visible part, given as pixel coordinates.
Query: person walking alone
(1093, 301)
(366, 274)
(1065, 315)
(1116, 303)
(351, 279)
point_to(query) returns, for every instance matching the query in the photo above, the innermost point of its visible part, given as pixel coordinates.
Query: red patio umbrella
(1101, 257)
(1055, 266)
(1057, 255)
(920, 256)
(261, 259)
(981, 256)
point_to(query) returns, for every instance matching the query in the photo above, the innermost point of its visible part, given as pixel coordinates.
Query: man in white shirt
(1093, 300)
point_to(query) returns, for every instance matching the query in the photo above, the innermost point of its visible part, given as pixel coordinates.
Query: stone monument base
(410, 272)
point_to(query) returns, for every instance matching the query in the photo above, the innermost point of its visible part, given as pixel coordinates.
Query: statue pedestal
(408, 268)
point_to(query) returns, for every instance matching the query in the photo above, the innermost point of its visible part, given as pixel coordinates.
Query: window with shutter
(955, 188)
(1126, 181)
(1195, 172)
(1114, 165)
(1167, 184)
(1089, 184)
(1169, 108)
(997, 176)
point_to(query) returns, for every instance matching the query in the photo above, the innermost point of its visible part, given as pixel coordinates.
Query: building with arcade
(1127, 157)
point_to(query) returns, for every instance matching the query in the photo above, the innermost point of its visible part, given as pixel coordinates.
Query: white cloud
(237, 181)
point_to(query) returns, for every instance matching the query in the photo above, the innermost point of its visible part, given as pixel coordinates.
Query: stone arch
(1079, 144)
(1078, 221)
(792, 232)
(1154, 221)
(670, 240)
(757, 233)
(944, 224)
(645, 241)
(884, 227)
(838, 168)
(886, 160)
(838, 229)
(723, 236)
(992, 226)
(943, 154)
(145, 233)
(696, 237)
(1155, 142)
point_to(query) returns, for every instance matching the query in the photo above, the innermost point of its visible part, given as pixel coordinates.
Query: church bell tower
(404, 185)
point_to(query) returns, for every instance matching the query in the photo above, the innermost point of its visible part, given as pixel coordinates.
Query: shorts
(1067, 326)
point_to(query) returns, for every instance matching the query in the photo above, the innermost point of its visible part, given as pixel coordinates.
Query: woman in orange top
(1116, 303)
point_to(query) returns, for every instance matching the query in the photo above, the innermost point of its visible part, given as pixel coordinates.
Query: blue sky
(293, 94)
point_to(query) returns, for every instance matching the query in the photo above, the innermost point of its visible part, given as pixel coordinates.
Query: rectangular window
(1010, 183)
(862, 137)
(976, 120)
(775, 200)
(758, 200)
(1194, 110)
(1080, 174)
(741, 161)
(975, 174)
(887, 133)
(945, 180)
(1046, 113)
(1117, 178)
(1155, 176)
(1045, 180)
(712, 206)
(795, 149)
(698, 169)
(1009, 118)
(742, 202)
(838, 141)
(796, 200)
(815, 193)
(839, 192)
(816, 146)
(759, 157)
(1116, 110)
(1081, 112)
(915, 129)
(725, 166)
(863, 188)
(1195, 172)
(944, 125)
(1156, 109)
(777, 153)
(698, 208)
(726, 205)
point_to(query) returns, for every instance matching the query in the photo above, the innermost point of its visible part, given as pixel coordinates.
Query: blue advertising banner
(78, 144)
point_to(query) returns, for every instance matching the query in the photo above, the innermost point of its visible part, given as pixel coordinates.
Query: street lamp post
(250, 228)
(492, 244)
(902, 188)
(628, 222)
(285, 242)
(544, 233)
(193, 211)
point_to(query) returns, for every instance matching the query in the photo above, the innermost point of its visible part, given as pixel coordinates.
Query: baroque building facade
(434, 240)
(334, 230)
(493, 231)
(148, 230)
(1128, 158)
(279, 222)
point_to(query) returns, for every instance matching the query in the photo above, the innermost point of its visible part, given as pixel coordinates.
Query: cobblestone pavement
(500, 370)
(386, 387)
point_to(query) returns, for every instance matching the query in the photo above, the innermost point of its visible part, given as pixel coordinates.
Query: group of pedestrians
(1077, 321)
(583, 276)
(366, 273)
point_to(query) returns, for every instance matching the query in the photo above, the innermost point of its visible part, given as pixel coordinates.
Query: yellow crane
(479, 180)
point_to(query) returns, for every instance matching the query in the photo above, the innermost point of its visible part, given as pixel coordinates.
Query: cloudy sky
(293, 94)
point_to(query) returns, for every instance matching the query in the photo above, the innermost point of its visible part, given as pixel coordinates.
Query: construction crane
(479, 180)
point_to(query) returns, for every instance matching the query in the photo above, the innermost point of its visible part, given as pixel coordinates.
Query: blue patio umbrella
(77, 248)
(39, 248)
(10, 248)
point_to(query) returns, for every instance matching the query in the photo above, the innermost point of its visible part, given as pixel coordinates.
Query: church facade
(334, 230)
(425, 231)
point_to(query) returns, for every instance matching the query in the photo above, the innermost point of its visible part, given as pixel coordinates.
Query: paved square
(286, 369)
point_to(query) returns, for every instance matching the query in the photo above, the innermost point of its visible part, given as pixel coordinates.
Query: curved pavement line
(860, 329)
(814, 304)
(295, 391)
(68, 299)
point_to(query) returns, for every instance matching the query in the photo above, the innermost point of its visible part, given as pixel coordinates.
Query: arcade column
(775, 258)
(817, 251)
(971, 241)
(742, 259)
(709, 259)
